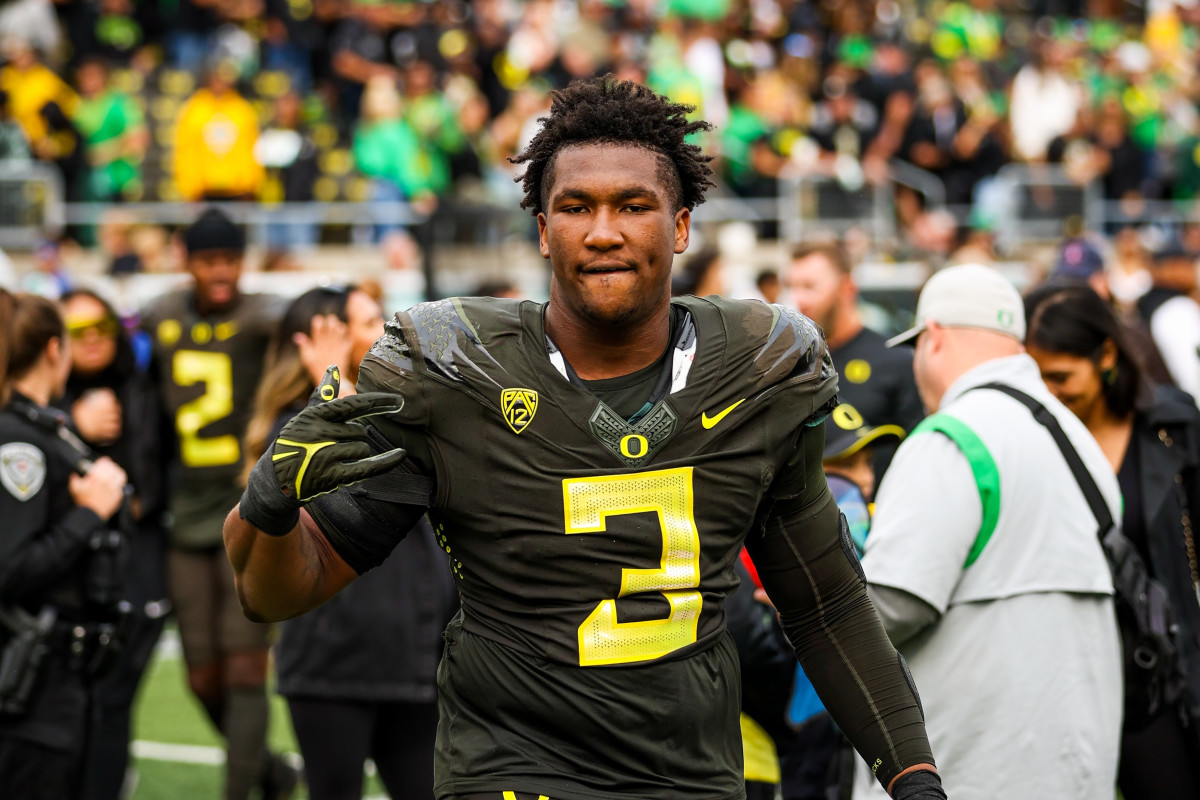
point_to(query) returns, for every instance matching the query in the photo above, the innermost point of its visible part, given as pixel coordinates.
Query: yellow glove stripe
(309, 449)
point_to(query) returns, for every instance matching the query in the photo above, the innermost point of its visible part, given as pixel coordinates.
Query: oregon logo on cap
(518, 407)
(847, 417)
(1005, 318)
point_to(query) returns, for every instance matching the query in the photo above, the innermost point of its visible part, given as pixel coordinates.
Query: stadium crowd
(425, 102)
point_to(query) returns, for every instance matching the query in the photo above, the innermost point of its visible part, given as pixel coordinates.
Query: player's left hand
(318, 450)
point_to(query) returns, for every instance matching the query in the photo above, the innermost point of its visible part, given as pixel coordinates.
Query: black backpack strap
(1087, 484)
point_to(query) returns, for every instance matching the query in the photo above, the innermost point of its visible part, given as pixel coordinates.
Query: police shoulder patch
(22, 469)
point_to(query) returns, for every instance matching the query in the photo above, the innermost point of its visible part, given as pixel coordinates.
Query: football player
(591, 467)
(208, 341)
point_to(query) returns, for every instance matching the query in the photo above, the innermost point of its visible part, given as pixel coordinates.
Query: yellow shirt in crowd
(28, 90)
(214, 147)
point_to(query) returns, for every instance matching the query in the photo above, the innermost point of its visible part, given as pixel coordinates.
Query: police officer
(55, 608)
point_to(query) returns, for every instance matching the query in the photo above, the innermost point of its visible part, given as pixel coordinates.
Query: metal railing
(1034, 202)
(31, 203)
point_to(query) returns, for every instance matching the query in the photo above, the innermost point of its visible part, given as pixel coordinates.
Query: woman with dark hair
(56, 501)
(359, 673)
(1151, 435)
(113, 403)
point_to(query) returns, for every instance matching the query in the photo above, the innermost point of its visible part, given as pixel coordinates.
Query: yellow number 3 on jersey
(588, 502)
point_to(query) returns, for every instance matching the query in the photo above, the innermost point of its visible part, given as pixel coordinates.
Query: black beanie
(214, 230)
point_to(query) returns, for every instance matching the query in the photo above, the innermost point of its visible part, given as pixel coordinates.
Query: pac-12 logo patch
(22, 469)
(518, 407)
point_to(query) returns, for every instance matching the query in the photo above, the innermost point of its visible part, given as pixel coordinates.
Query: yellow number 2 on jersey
(215, 371)
(588, 503)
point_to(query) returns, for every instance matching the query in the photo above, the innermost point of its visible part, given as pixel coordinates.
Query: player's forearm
(809, 575)
(278, 577)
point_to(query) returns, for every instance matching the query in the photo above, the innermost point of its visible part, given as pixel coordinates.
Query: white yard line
(202, 755)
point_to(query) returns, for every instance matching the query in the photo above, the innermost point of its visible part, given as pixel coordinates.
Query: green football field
(177, 754)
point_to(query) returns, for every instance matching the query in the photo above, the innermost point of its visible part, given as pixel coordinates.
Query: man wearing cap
(208, 342)
(1173, 316)
(985, 565)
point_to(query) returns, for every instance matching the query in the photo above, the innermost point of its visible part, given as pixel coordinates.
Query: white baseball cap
(968, 296)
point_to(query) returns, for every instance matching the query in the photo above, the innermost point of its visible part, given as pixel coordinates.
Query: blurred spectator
(358, 45)
(844, 126)
(1045, 102)
(435, 122)
(115, 135)
(997, 562)
(33, 23)
(876, 380)
(30, 86)
(1129, 278)
(116, 241)
(497, 288)
(191, 30)
(64, 146)
(50, 277)
(951, 141)
(703, 274)
(114, 406)
(1107, 153)
(359, 672)
(13, 144)
(294, 37)
(1171, 311)
(287, 150)
(1151, 437)
(768, 286)
(214, 141)
(387, 150)
(1080, 260)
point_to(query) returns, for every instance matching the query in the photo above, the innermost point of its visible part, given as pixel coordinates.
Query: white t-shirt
(1020, 677)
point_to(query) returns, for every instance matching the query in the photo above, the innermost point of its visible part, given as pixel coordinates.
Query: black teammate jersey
(573, 534)
(207, 369)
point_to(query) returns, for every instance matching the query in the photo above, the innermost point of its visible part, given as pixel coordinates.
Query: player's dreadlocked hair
(608, 111)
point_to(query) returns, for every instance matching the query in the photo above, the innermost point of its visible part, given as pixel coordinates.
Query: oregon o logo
(857, 371)
(627, 443)
(847, 417)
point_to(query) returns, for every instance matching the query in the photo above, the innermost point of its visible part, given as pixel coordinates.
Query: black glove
(919, 785)
(320, 449)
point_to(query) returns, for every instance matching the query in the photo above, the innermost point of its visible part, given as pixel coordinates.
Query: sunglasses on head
(103, 326)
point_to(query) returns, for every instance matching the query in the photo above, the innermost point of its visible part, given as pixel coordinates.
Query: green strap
(987, 477)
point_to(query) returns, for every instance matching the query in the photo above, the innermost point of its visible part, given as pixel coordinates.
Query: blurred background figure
(114, 133)
(875, 379)
(214, 141)
(1151, 438)
(359, 672)
(115, 407)
(703, 274)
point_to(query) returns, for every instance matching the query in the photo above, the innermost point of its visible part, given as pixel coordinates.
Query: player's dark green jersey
(207, 369)
(579, 539)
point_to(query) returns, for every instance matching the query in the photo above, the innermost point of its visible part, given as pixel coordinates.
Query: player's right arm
(809, 568)
(283, 564)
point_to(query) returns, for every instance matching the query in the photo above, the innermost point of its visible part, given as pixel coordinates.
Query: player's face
(364, 321)
(610, 232)
(814, 284)
(1076, 381)
(216, 273)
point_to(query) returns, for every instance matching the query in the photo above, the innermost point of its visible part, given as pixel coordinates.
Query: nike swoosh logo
(711, 422)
